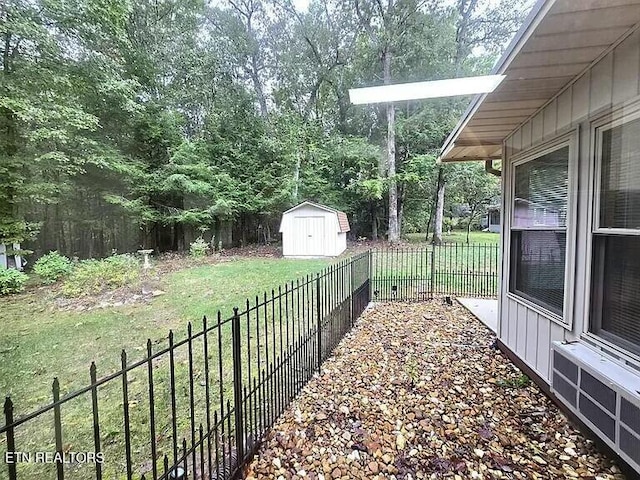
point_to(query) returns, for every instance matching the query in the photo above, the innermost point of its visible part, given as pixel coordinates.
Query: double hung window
(615, 279)
(539, 229)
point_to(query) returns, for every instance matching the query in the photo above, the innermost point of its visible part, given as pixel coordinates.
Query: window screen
(538, 234)
(615, 298)
(539, 260)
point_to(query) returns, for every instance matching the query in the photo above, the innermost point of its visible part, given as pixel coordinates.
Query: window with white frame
(539, 229)
(615, 280)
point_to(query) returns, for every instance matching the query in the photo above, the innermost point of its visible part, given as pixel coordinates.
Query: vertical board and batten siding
(608, 84)
(341, 243)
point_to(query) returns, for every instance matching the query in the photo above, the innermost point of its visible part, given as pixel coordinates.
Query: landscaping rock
(416, 391)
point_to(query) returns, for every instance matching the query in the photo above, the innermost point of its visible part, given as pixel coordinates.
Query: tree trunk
(257, 85)
(254, 71)
(426, 234)
(437, 229)
(296, 176)
(374, 222)
(472, 216)
(465, 10)
(401, 196)
(394, 227)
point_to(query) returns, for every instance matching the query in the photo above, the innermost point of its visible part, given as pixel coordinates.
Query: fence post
(370, 275)
(57, 422)
(11, 444)
(352, 291)
(318, 315)
(432, 272)
(237, 386)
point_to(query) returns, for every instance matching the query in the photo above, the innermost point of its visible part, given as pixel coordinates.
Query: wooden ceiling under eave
(559, 41)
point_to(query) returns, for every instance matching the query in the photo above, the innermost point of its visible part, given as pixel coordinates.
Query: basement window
(615, 281)
(539, 230)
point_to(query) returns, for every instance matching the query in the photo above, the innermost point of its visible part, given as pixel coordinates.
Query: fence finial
(8, 405)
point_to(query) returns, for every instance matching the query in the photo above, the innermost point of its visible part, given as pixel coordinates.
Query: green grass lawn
(458, 236)
(39, 342)
(419, 270)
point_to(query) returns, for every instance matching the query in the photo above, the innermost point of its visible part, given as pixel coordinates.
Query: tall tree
(52, 53)
(388, 28)
(484, 25)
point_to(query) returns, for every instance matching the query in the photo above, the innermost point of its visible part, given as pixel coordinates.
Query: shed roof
(343, 221)
(559, 40)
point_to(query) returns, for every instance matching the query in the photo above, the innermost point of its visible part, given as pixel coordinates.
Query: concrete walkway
(486, 310)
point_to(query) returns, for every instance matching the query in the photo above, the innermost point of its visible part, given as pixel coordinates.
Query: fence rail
(198, 406)
(420, 273)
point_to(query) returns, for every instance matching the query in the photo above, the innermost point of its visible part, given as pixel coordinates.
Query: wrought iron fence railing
(197, 406)
(420, 273)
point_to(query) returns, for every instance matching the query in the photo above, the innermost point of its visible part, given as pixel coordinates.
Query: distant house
(312, 230)
(565, 123)
(492, 222)
(8, 259)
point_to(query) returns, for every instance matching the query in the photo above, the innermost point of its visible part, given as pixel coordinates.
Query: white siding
(341, 243)
(608, 84)
(294, 240)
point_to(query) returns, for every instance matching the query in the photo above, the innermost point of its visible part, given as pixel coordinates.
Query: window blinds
(619, 282)
(541, 191)
(620, 184)
(539, 267)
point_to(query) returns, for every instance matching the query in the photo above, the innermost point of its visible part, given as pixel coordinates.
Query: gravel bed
(419, 391)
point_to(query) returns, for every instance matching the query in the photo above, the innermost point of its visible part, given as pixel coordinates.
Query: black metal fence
(196, 407)
(420, 273)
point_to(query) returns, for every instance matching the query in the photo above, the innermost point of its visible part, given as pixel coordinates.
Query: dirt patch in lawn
(419, 391)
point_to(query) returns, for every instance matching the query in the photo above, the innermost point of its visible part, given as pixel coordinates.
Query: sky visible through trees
(150, 123)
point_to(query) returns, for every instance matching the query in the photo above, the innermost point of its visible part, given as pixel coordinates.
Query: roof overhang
(419, 90)
(559, 40)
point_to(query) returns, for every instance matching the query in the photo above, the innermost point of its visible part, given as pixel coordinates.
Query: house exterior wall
(341, 243)
(609, 85)
(493, 220)
(293, 245)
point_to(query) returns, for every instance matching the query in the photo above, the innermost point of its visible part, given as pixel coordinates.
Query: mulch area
(418, 391)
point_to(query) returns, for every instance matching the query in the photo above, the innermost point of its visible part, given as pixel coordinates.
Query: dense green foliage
(12, 281)
(95, 276)
(198, 248)
(52, 266)
(149, 123)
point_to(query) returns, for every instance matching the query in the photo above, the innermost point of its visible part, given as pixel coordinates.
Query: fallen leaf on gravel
(416, 391)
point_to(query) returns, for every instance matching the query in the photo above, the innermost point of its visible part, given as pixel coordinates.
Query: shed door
(309, 234)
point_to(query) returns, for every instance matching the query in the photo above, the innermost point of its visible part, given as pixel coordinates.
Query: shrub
(94, 276)
(12, 281)
(52, 266)
(199, 248)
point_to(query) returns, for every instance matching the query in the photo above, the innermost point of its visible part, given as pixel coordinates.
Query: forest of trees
(147, 123)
